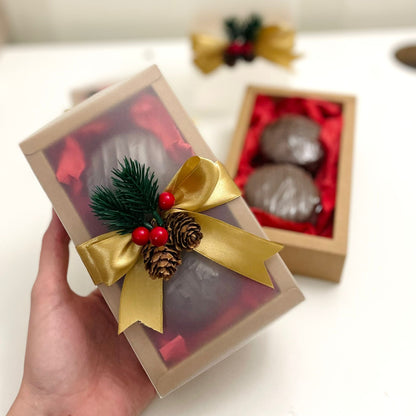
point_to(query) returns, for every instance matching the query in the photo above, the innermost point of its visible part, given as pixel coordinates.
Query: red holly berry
(140, 236)
(234, 49)
(247, 48)
(159, 236)
(166, 200)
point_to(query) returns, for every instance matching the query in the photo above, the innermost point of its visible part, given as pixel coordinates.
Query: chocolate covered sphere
(286, 191)
(140, 145)
(199, 292)
(293, 139)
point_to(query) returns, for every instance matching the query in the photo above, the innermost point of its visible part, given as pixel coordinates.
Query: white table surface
(349, 349)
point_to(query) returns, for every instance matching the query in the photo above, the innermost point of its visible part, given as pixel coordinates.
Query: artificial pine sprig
(131, 202)
(233, 29)
(243, 31)
(250, 28)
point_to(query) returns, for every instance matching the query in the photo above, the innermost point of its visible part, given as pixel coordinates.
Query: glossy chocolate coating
(140, 145)
(293, 139)
(286, 191)
(198, 293)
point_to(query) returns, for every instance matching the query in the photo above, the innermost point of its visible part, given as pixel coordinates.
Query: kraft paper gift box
(316, 250)
(208, 310)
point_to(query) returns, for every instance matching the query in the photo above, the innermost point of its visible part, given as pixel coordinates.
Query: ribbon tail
(235, 248)
(108, 257)
(141, 300)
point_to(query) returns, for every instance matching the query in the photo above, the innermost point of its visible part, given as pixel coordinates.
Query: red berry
(140, 236)
(247, 48)
(159, 236)
(234, 48)
(166, 200)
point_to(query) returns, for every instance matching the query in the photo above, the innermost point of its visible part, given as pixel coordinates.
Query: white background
(64, 20)
(349, 349)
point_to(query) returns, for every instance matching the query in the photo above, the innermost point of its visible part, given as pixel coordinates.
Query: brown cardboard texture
(165, 377)
(304, 254)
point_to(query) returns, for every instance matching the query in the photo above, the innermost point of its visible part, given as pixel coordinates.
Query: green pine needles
(245, 30)
(131, 202)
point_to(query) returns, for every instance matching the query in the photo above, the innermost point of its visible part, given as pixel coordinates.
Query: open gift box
(209, 310)
(314, 247)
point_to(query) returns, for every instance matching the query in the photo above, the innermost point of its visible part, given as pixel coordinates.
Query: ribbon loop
(209, 52)
(109, 257)
(201, 184)
(276, 44)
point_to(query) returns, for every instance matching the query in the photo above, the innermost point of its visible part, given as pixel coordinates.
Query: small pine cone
(161, 262)
(184, 231)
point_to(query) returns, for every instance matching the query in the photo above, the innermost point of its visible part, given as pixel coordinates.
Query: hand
(75, 362)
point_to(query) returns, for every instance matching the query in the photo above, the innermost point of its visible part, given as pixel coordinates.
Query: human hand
(75, 362)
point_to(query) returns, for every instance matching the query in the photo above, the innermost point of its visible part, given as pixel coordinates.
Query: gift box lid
(141, 118)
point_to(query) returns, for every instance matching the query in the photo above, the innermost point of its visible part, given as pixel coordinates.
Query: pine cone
(184, 231)
(161, 262)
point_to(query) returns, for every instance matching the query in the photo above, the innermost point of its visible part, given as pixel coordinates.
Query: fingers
(54, 257)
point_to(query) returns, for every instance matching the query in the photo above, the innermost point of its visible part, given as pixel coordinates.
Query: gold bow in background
(274, 43)
(200, 184)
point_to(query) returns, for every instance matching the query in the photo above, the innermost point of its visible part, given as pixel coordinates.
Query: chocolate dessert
(293, 139)
(286, 191)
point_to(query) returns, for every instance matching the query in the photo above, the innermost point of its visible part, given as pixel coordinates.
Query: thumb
(54, 257)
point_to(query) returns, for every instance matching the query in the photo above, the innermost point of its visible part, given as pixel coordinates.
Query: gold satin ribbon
(274, 43)
(200, 184)
(208, 52)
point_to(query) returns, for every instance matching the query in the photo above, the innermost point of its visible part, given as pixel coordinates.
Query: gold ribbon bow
(274, 43)
(200, 184)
